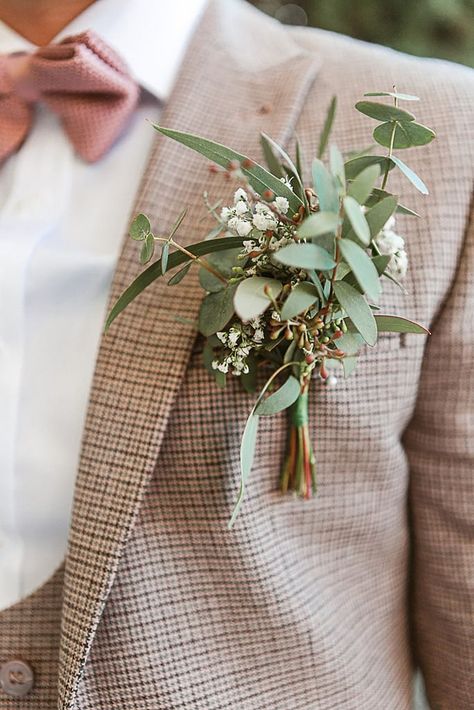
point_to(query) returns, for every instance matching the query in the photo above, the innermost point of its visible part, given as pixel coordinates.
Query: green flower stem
(390, 149)
(199, 260)
(299, 470)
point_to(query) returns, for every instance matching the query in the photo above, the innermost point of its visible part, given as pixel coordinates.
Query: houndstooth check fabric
(324, 605)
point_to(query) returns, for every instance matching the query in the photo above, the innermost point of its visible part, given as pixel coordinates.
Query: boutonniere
(292, 272)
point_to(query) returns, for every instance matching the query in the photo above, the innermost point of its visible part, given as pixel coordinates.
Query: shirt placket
(26, 218)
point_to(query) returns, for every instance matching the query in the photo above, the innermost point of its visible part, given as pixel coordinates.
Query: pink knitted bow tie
(81, 79)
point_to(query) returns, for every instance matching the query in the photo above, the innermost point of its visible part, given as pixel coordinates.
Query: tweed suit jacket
(317, 605)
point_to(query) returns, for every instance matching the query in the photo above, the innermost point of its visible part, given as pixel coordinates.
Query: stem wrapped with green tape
(299, 470)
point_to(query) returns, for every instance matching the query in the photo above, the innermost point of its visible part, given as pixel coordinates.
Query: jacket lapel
(220, 93)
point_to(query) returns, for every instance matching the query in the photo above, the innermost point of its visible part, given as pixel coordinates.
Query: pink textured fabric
(81, 79)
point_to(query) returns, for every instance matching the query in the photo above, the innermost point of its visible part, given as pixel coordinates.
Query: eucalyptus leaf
(247, 455)
(317, 224)
(361, 188)
(356, 165)
(394, 95)
(216, 310)
(298, 158)
(259, 178)
(362, 267)
(415, 180)
(300, 298)
(250, 299)
(164, 257)
(349, 364)
(153, 272)
(381, 262)
(350, 343)
(305, 256)
(293, 171)
(378, 215)
(177, 224)
(407, 134)
(378, 194)
(222, 262)
(272, 163)
(336, 163)
(179, 275)
(140, 227)
(397, 324)
(325, 187)
(148, 249)
(315, 280)
(358, 310)
(357, 219)
(327, 128)
(383, 112)
(281, 399)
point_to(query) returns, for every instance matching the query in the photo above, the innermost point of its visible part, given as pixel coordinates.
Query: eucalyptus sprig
(293, 285)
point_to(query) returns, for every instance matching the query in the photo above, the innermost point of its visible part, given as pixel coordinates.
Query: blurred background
(430, 28)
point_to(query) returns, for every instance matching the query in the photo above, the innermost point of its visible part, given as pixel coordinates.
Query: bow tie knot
(81, 79)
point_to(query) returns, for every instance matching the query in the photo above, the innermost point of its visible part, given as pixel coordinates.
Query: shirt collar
(150, 35)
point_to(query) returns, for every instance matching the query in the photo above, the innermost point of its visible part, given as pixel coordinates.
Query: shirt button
(16, 678)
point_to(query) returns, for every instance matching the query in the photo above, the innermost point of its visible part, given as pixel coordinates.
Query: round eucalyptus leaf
(250, 299)
(383, 112)
(140, 227)
(407, 134)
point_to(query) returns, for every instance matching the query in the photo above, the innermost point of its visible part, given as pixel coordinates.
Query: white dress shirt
(62, 222)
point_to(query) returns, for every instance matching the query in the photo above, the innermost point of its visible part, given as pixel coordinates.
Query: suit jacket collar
(223, 93)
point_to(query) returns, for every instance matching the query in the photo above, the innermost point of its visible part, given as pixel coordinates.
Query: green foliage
(253, 296)
(300, 289)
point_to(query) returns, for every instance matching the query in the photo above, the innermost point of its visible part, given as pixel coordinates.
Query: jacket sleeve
(439, 442)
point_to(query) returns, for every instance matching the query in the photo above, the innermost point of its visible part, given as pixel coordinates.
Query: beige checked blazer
(319, 605)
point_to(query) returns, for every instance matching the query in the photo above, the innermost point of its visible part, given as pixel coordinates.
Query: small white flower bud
(239, 194)
(282, 205)
(243, 228)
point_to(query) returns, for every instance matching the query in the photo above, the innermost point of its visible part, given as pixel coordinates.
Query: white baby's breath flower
(282, 204)
(243, 227)
(286, 181)
(232, 222)
(261, 207)
(398, 264)
(388, 242)
(260, 221)
(240, 194)
(249, 246)
(234, 336)
(241, 208)
(258, 335)
(222, 336)
(226, 214)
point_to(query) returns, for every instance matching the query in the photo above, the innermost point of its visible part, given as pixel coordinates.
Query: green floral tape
(299, 411)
